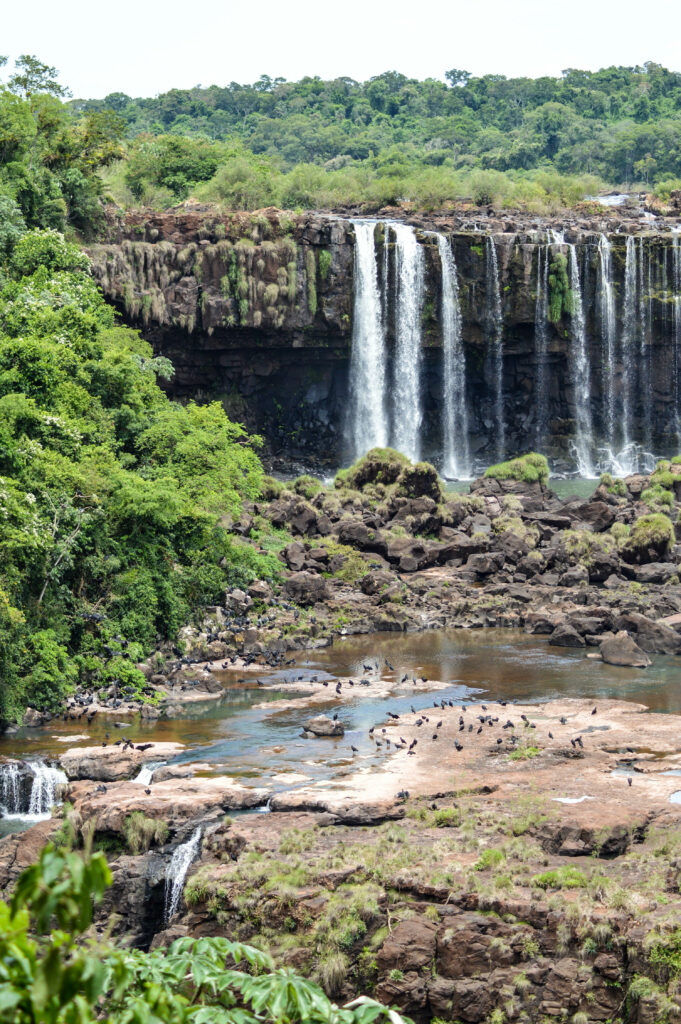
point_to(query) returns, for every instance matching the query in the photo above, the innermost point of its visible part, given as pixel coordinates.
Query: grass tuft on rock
(529, 469)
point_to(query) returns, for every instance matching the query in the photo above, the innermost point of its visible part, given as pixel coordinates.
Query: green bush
(566, 877)
(652, 531)
(530, 468)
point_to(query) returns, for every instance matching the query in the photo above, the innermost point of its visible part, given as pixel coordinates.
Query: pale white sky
(143, 47)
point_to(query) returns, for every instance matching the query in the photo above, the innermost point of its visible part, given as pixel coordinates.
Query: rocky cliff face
(256, 310)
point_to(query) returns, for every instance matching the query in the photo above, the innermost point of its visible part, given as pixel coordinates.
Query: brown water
(236, 737)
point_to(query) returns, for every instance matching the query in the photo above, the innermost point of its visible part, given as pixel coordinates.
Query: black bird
(459, 746)
(499, 740)
(550, 735)
(434, 735)
(563, 720)
(594, 711)
(413, 710)
(148, 792)
(388, 665)
(403, 794)
(391, 714)
(572, 742)
(104, 744)
(439, 725)
(479, 729)
(335, 717)
(402, 740)
(629, 780)
(419, 721)
(579, 740)
(470, 728)
(371, 730)
(354, 749)
(484, 707)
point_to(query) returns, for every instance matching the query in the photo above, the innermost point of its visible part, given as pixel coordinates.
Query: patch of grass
(524, 752)
(489, 858)
(140, 832)
(564, 877)
(531, 468)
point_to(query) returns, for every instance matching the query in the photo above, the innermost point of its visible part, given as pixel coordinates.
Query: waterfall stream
(581, 374)
(628, 345)
(19, 801)
(496, 340)
(176, 872)
(406, 390)
(608, 340)
(455, 425)
(676, 370)
(541, 338)
(367, 425)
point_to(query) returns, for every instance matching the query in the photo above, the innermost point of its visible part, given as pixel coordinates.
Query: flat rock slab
(175, 800)
(110, 763)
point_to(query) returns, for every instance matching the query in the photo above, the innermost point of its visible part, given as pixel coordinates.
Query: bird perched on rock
(147, 791)
(354, 749)
(629, 780)
(594, 711)
(459, 746)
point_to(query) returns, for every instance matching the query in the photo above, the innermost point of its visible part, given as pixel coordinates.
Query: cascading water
(367, 425)
(676, 370)
(406, 391)
(644, 360)
(495, 324)
(628, 352)
(455, 426)
(581, 372)
(608, 339)
(176, 872)
(10, 794)
(43, 791)
(18, 801)
(541, 339)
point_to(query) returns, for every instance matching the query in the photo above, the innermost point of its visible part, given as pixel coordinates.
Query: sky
(144, 47)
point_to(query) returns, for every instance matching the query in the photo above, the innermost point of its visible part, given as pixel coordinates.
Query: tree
(33, 77)
(456, 77)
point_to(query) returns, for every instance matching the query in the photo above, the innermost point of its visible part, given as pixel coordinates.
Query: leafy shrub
(530, 468)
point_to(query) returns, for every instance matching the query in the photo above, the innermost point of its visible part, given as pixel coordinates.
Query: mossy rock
(419, 481)
(307, 486)
(530, 469)
(651, 536)
(270, 488)
(378, 466)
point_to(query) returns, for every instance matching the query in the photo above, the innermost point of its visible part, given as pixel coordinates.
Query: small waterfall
(495, 324)
(608, 338)
(17, 800)
(628, 344)
(146, 772)
(10, 793)
(581, 369)
(43, 791)
(455, 426)
(367, 423)
(541, 338)
(176, 872)
(409, 278)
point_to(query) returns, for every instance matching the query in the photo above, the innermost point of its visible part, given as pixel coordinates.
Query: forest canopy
(531, 143)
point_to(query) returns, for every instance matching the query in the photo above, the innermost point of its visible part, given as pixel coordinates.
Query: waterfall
(406, 392)
(176, 872)
(608, 338)
(584, 441)
(146, 773)
(455, 426)
(10, 794)
(495, 324)
(18, 801)
(644, 321)
(367, 423)
(676, 369)
(43, 790)
(541, 338)
(628, 346)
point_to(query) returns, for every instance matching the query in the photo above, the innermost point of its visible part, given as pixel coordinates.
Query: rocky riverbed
(464, 857)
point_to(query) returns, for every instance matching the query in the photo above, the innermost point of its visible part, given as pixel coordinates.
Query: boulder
(565, 635)
(295, 555)
(653, 572)
(599, 515)
(259, 590)
(573, 576)
(652, 637)
(486, 564)
(622, 650)
(322, 725)
(305, 588)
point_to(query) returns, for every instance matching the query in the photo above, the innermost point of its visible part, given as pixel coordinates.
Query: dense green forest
(312, 142)
(115, 502)
(537, 144)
